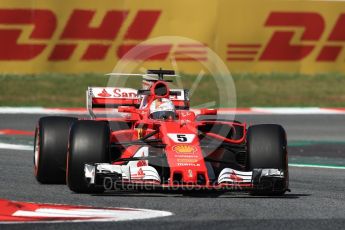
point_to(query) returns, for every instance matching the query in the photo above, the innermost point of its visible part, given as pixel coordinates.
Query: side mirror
(208, 112)
(127, 109)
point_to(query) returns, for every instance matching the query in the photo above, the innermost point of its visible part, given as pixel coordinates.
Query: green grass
(267, 90)
(320, 90)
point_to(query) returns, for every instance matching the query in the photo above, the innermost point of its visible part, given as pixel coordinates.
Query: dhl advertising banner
(249, 36)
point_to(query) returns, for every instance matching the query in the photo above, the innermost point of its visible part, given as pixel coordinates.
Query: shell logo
(184, 148)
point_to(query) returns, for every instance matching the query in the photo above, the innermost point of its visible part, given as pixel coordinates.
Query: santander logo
(116, 92)
(104, 94)
(124, 93)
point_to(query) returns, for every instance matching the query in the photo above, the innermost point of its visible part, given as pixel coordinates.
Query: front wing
(112, 177)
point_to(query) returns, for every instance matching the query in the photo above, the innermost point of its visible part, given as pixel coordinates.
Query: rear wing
(113, 97)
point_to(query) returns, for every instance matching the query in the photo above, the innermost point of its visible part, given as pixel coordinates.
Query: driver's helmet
(162, 109)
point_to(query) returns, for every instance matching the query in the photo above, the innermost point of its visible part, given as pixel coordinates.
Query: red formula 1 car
(158, 142)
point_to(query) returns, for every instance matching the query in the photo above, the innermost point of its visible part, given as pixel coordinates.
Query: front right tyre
(89, 143)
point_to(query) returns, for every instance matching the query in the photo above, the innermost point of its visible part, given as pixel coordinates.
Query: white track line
(39, 110)
(12, 212)
(94, 215)
(302, 110)
(254, 110)
(16, 147)
(317, 166)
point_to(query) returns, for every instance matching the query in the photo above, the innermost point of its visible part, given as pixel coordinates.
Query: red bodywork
(185, 156)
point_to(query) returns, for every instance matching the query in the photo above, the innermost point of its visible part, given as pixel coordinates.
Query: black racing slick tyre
(89, 143)
(267, 149)
(50, 149)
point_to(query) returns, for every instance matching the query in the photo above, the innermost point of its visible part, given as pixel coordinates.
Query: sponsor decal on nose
(184, 149)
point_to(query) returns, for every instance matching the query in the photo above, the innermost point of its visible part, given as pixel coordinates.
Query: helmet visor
(163, 115)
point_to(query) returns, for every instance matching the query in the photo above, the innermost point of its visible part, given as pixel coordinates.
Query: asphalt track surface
(316, 200)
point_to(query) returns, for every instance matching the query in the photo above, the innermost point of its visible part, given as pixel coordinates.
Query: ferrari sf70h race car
(157, 141)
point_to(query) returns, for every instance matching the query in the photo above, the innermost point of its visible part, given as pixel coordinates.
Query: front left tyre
(50, 150)
(267, 149)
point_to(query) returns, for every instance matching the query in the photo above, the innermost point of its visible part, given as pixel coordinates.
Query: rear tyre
(267, 148)
(50, 150)
(89, 143)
